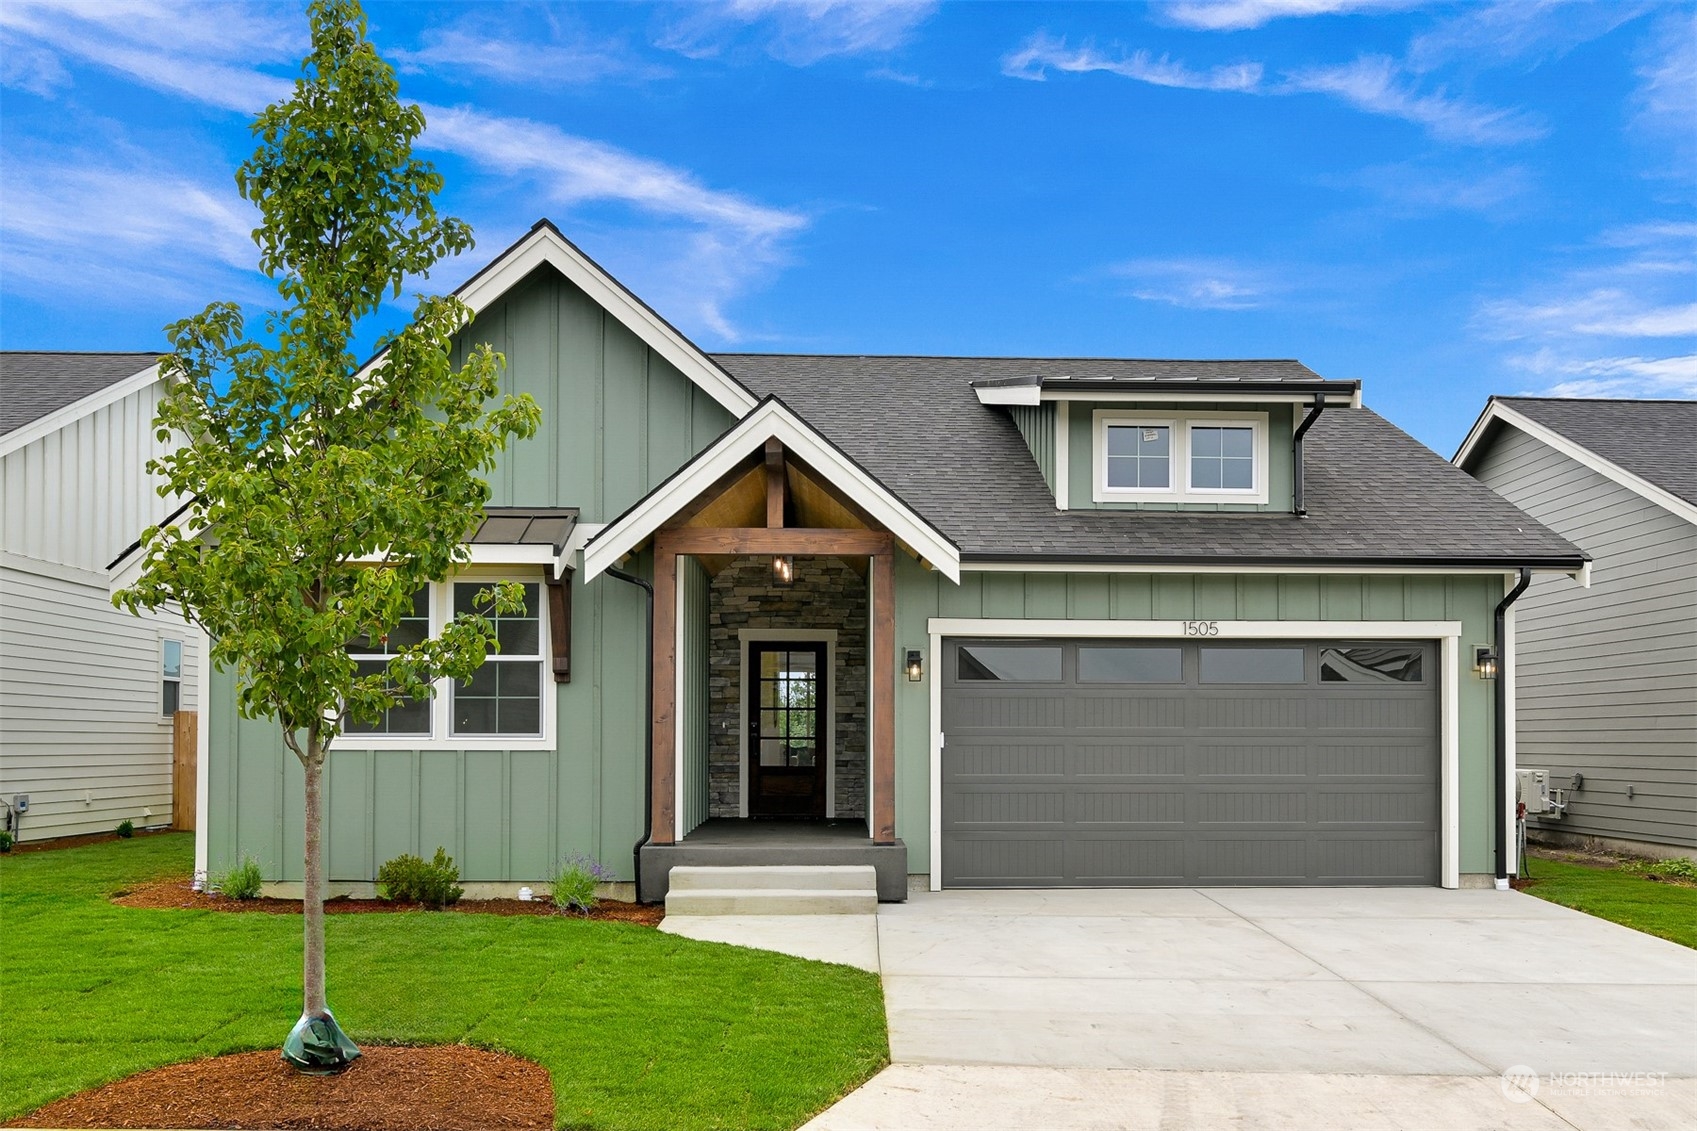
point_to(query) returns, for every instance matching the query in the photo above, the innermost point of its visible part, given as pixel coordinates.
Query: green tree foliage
(323, 494)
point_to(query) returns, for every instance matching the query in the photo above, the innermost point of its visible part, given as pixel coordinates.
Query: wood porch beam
(787, 540)
(560, 625)
(777, 484)
(884, 697)
(663, 824)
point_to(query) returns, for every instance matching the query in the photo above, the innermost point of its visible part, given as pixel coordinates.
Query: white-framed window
(1191, 457)
(508, 704)
(170, 677)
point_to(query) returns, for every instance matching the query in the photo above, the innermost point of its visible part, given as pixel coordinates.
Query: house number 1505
(1201, 628)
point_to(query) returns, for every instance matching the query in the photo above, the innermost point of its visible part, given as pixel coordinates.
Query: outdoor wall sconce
(783, 569)
(915, 666)
(1485, 663)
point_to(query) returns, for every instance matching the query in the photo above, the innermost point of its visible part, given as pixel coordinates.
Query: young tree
(322, 495)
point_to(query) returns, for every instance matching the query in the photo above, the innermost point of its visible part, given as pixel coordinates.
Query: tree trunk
(312, 902)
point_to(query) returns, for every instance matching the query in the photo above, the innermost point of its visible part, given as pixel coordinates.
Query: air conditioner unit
(1532, 789)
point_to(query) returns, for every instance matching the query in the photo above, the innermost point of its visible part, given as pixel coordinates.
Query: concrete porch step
(783, 889)
(793, 877)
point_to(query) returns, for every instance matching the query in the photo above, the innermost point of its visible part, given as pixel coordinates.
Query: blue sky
(1443, 200)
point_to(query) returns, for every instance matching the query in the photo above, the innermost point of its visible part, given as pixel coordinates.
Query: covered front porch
(774, 659)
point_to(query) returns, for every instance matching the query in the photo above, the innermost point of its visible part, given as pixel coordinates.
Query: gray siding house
(1607, 682)
(976, 622)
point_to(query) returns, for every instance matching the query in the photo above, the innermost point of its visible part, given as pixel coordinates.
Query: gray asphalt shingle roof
(1654, 440)
(1373, 492)
(33, 384)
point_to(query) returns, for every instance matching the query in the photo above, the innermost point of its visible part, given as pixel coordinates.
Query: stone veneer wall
(826, 594)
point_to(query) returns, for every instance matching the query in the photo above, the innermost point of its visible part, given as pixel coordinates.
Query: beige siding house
(86, 691)
(1606, 690)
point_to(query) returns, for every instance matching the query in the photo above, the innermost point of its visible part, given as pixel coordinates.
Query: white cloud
(1042, 52)
(1197, 284)
(1610, 376)
(1486, 35)
(1237, 15)
(798, 32)
(1410, 187)
(1603, 312)
(465, 53)
(1372, 84)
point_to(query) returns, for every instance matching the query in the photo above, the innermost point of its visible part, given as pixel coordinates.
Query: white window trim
(441, 702)
(1446, 633)
(788, 635)
(1178, 458)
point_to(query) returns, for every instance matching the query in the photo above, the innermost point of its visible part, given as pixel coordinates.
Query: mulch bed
(443, 1088)
(179, 894)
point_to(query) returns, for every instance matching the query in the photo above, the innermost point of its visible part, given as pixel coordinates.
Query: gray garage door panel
(1061, 782)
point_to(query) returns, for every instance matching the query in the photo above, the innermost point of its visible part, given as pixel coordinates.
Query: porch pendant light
(783, 569)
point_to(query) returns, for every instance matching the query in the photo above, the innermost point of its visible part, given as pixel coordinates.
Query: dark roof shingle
(1654, 440)
(33, 384)
(1373, 492)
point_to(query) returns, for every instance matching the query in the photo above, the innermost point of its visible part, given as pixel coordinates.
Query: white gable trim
(771, 420)
(1497, 412)
(545, 245)
(76, 410)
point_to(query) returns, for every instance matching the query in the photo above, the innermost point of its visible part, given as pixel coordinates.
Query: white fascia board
(76, 410)
(544, 245)
(1009, 394)
(1498, 412)
(1179, 629)
(1110, 396)
(770, 421)
(487, 554)
(1138, 567)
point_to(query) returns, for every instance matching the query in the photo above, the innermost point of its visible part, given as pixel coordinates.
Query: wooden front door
(787, 693)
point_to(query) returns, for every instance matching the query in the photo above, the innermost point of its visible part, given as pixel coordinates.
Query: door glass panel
(1251, 665)
(1371, 663)
(1013, 663)
(1111, 664)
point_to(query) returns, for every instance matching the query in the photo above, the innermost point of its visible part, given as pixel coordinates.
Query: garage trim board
(1447, 634)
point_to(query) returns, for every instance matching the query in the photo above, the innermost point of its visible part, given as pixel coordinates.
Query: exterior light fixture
(783, 569)
(915, 666)
(1485, 663)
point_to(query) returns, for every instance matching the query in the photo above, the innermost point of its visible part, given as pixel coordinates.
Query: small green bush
(5, 841)
(243, 881)
(126, 828)
(408, 879)
(575, 880)
(1678, 868)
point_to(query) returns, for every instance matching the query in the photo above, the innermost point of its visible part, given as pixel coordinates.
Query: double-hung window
(1194, 457)
(170, 677)
(506, 704)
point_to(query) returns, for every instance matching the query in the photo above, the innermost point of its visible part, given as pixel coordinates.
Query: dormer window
(1180, 458)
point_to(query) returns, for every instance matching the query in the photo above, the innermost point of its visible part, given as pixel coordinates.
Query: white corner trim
(679, 753)
(1446, 633)
(770, 421)
(1063, 455)
(827, 636)
(202, 750)
(1509, 795)
(1026, 395)
(76, 410)
(1498, 412)
(544, 245)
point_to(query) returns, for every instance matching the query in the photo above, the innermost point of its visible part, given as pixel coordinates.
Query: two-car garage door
(1077, 763)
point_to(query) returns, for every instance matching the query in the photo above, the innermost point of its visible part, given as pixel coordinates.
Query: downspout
(1296, 447)
(648, 729)
(1498, 629)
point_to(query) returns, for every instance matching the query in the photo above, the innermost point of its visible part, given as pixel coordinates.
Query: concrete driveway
(1395, 1008)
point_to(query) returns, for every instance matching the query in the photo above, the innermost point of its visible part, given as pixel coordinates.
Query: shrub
(126, 828)
(575, 880)
(243, 881)
(5, 841)
(408, 879)
(1678, 868)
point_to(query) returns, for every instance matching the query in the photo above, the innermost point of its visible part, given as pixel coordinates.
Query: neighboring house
(87, 692)
(1606, 692)
(989, 622)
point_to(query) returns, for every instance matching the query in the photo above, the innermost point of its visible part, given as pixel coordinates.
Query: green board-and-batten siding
(694, 587)
(921, 595)
(1036, 424)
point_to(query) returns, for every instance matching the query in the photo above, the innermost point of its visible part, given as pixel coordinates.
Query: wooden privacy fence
(185, 741)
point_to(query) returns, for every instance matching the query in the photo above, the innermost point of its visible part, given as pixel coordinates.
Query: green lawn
(639, 1029)
(1653, 906)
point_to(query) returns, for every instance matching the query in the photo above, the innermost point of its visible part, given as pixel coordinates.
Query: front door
(786, 728)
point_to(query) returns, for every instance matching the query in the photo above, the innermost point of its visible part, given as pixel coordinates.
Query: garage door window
(1371, 663)
(1251, 665)
(1013, 663)
(1111, 664)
